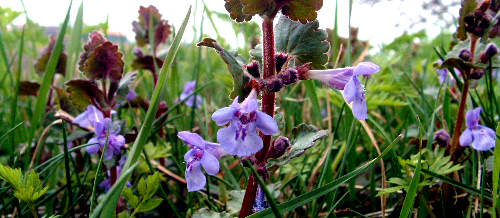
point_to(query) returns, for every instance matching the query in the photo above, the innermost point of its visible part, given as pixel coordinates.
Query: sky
(376, 23)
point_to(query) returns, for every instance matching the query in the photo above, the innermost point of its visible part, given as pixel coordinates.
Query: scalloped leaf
(41, 62)
(302, 10)
(235, 9)
(105, 61)
(304, 41)
(456, 63)
(162, 29)
(206, 213)
(235, 63)
(468, 6)
(253, 7)
(83, 92)
(304, 137)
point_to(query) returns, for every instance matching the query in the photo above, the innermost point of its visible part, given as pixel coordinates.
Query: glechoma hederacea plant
(123, 122)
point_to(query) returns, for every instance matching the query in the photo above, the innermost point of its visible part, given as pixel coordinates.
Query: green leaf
(305, 136)
(153, 182)
(83, 92)
(302, 10)
(142, 187)
(235, 63)
(458, 63)
(130, 197)
(468, 6)
(149, 205)
(304, 41)
(253, 7)
(206, 213)
(107, 207)
(318, 192)
(27, 188)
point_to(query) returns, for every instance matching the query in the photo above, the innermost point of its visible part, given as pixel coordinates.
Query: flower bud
(442, 138)
(484, 5)
(281, 59)
(253, 69)
(273, 84)
(279, 147)
(491, 50)
(477, 74)
(476, 23)
(289, 76)
(465, 55)
(138, 52)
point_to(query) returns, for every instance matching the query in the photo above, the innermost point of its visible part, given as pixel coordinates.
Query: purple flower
(115, 142)
(188, 90)
(88, 117)
(346, 79)
(240, 137)
(202, 153)
(445, 75)
(481, 137)
(131, 95)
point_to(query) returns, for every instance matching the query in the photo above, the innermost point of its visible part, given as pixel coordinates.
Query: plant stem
(268, 101)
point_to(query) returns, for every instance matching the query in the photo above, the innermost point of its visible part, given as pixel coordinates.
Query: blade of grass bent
(108, 207)
(316, 193)
(43, 93)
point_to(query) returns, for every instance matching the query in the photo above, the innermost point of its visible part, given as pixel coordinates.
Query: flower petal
(192, 139)
(249, 105)
(215, 149)
(466, 138)
(366, 68)
(227, 139)
(195, 179)
(266, 123)
(482, 140)
(472, 117)
(251, 145)
(82, 120)
(92, 149)
(224, 115)
(210, 163)
(359, 108)
(351, 89)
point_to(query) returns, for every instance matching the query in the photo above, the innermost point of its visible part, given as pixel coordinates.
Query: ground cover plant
(297, 122)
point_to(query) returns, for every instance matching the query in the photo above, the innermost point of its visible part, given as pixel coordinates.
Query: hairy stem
(268, 101)
(456, 149)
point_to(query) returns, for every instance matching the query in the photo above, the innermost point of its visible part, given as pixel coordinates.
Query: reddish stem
(113, 175)
(268, 101)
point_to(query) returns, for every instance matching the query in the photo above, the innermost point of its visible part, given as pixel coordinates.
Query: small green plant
(143, 203)
(434, 161)
(27, 188)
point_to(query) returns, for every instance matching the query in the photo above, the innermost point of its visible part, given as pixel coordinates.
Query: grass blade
(412, 192)
(269, 196)
(43, 93)
(12, 129)
(311, 92)
(108, 207)
(316, 193)
(75, 43)
(67, 170)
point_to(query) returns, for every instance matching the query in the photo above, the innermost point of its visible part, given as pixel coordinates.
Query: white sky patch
(376, 24)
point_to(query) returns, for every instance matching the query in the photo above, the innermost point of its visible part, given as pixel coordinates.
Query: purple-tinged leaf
(162, 29)
(252, 7)
(42, 61)
(468, 6)
(84, 92)
(105, 61)
(235, 9)
(28, 88)
(302, 10)
(457, 63)
(146, 62)
(95, 40)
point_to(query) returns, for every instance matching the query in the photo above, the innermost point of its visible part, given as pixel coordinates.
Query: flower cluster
(94, 117)
(481, 137)
(347, 79)
(240, 138)
(190, 99)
